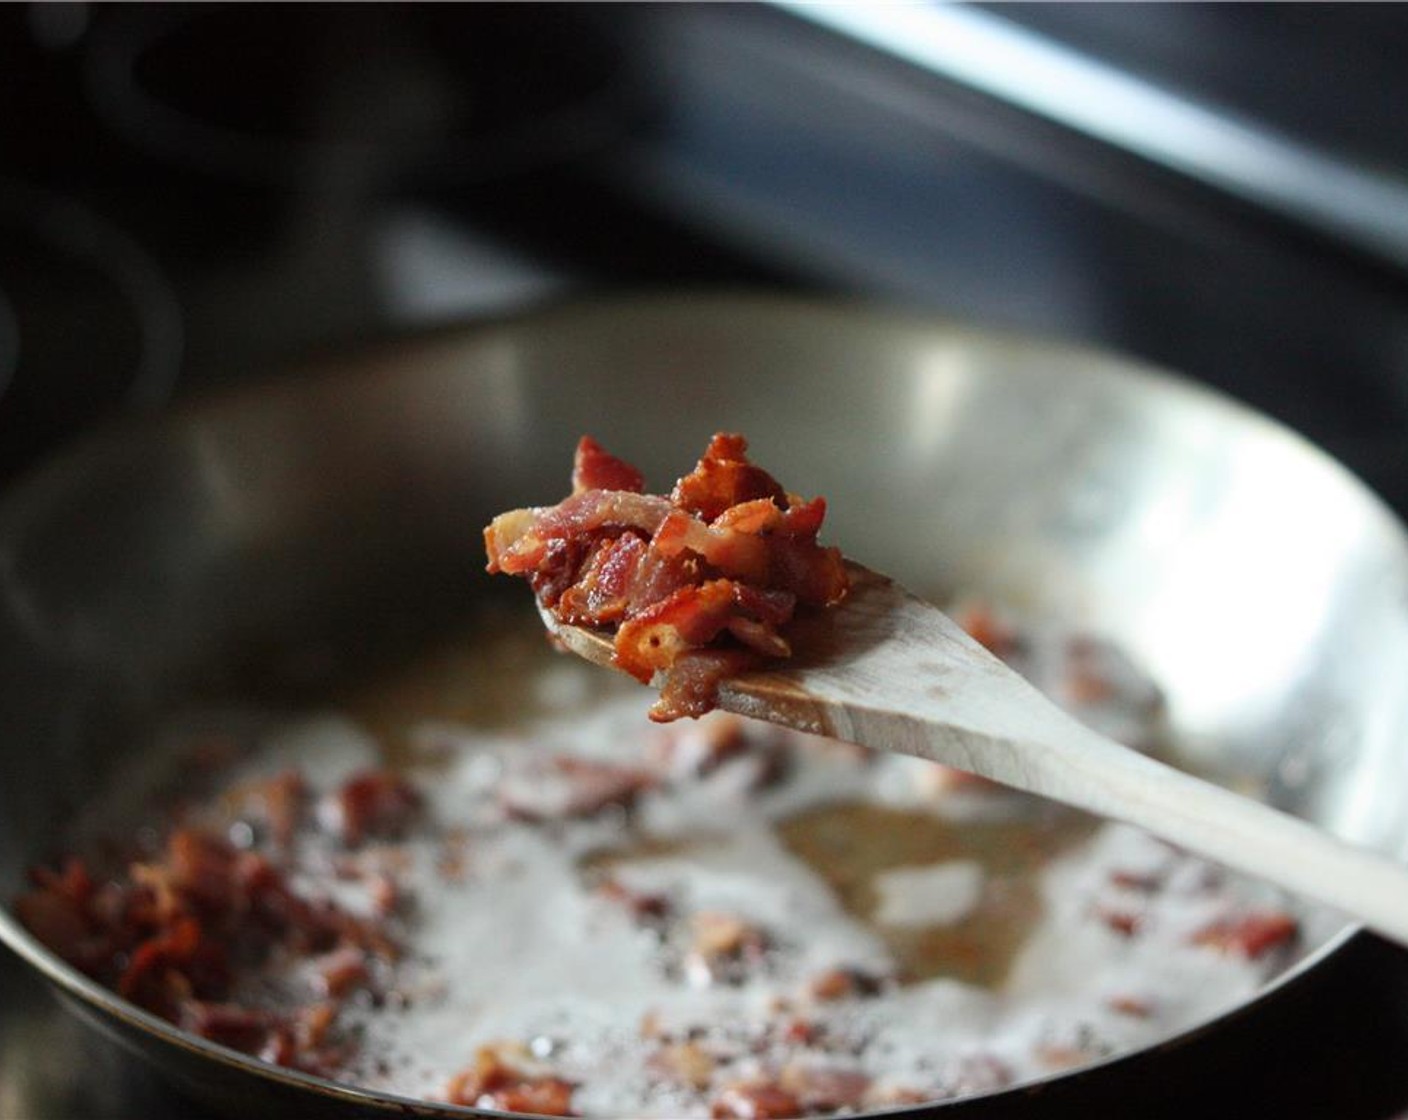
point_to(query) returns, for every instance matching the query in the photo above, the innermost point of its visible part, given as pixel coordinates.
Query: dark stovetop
(193, 196)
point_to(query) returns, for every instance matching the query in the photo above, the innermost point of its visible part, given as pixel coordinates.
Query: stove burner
(432, 92)
(88, 324)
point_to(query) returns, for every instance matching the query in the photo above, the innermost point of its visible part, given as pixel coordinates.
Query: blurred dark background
(192, 196)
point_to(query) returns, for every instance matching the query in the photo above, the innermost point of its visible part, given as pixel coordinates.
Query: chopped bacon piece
(655, 638)
(724, 478)
(1058, 1057)
(685, 1063)
(698, 585)
(594, 468)
(518, 541)
(755, 1100)
(691, 686)
(796, 1031)
(729, 551)
(986, 627)
(896, 1096)
(698, 749)
(981, 1073)
(717, 935)
(387, 897)
(602, 592)
(1249, 935)
(825, 1088)
(1136, 1007)
(246, 1029)
(569, 786)
(275, 802)
(645, 907)
(683, 752)
(55, 920)
(1142, 882)
(341, 971)
(199, 872)
(723, 949)
(843, 983)
(296, 1040)
(501, 1077)
(312, 1024)
(57, 913)
(159, 967)
(1126, 923)
(73, 881)
(373, 803)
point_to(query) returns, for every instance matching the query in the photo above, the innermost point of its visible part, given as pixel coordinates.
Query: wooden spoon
(887, 670)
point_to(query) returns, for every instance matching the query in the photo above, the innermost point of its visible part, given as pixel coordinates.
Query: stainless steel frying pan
(338, 508)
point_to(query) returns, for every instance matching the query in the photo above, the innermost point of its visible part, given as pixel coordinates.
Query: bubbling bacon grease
(698, 585)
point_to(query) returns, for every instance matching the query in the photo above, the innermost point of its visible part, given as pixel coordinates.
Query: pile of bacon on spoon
(697, 586)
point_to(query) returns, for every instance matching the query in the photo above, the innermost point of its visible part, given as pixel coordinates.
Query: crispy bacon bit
(697, 750)
(755, 1100)
(796, 1031)
(275, 802)
(569, 786)
(825, 1088)
(608, 585)
(691, 686)
(298, 1039)
(684, 752)
(1123, 922)
(936, 781)
(843, 983)
(1058, 1057)
(341, 971)
(698, 585)
(504, 1076)
(594, 468)
(1135, 1007)
(896, 1096)
(986, 627)
(57, 912)
(1088, 670)
(175, 963)
(1096, 672)
(312, 1024)
(452, 862)
(981, 1073)
(684, 1063)
(717, 935)
(724, 948)
(1141, 882)
(387, 896)
(724, 478)
(240, 1028)
(373, 803)
(1250, 935)
(645, 908)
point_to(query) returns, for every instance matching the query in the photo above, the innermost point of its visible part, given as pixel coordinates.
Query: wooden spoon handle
(910, 680)
(1083, 769)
